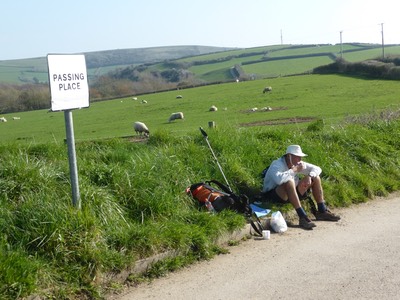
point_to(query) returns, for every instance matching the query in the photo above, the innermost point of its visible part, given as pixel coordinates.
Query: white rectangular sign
(68, 81)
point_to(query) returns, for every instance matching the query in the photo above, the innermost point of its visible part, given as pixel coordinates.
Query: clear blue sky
(31, 28)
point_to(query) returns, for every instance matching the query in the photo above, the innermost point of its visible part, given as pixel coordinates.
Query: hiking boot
(326, 216)
(306, 223)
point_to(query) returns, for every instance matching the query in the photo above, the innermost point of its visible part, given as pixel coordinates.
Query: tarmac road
(355, 258)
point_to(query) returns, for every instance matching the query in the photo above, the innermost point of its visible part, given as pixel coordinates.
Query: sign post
(69, 90)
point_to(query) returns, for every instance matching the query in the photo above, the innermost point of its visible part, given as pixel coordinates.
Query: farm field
(279, 60)
(133, 199)
(211, 66)
(293, 99)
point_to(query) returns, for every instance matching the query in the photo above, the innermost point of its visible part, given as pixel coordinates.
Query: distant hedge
(381, 69)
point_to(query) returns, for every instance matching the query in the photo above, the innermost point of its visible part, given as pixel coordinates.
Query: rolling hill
(33, 70)
(208, 64)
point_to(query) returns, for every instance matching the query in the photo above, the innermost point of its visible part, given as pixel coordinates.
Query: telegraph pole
(383, 45)
(341, 45)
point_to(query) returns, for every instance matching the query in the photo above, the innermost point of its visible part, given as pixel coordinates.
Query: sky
(36, 28)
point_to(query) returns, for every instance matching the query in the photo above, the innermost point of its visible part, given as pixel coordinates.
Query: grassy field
(24, 70)
(132, 194)
(287, 62)
(327, 97)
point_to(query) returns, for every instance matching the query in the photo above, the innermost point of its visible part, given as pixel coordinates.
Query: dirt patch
(263, 109)
(280, 121)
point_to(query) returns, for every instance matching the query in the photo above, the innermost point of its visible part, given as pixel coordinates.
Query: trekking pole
(209, 146)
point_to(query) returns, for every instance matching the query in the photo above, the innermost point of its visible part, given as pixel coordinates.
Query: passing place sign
(68, 81)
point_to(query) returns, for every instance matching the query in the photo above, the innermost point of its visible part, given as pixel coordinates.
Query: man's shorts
(272, 196)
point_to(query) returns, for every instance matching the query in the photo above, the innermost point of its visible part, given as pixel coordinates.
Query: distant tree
(171, 75)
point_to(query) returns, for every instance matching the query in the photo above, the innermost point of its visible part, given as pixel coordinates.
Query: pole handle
(203, 132)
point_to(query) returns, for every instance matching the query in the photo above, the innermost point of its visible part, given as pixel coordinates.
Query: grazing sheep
(267, 89)
(213, 108)
(134, 98)
(2, 119)
(254, 109)
(144, 101)
(176, 116)
(141, 128)
(179, 97)
(267, 108)
(16, 118)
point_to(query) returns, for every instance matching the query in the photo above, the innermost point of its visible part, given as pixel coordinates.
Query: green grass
(12, 71)
(371, 54)
(300, 96)
(132, 194)
(134, 205)
(286, 67)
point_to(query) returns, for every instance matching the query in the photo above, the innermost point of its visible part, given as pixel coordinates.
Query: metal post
(341, 45)
(383, 44)
(73, 169)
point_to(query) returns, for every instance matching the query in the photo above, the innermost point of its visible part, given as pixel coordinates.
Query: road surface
(355, 258)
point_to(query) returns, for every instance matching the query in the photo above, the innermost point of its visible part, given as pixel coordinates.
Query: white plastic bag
(278, 223)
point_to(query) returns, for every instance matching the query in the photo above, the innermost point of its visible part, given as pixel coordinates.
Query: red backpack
(220, 197)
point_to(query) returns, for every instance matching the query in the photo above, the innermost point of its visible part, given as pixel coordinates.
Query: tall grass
(133, 200)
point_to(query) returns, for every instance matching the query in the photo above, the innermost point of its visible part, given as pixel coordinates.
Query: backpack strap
(256, 225)
(221, 186)
(213, 189)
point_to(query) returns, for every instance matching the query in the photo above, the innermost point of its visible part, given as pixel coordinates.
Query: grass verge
(134, 205)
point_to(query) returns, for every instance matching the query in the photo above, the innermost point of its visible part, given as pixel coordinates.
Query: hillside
(128, 72)
(205, 63)
(33, 70)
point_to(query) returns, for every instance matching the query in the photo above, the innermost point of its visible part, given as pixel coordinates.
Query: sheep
(179, 97)
(267, 108)
(141, 128)
(176, 116)
(213, 108)
(2, 119)
(134, 98)
(144, 101)
(16, 118)
(254, 109)
(267, 89)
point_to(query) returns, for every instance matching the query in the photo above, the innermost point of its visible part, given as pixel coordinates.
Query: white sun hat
(295, 150)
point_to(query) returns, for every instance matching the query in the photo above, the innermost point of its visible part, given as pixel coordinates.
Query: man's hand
(298, 167)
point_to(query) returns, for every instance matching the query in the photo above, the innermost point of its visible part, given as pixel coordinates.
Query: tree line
(387, 68)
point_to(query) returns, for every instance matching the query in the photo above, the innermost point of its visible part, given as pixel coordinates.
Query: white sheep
(2, 119)
(144, 101)
(213, 108)
(254, 109)
(176, 116)
(141, 128)
(16, 118)
(267, 89)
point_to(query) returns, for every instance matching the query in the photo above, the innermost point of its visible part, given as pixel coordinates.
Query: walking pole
(209, 146)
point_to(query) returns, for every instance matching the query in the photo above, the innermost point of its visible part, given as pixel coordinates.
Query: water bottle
(209, 206)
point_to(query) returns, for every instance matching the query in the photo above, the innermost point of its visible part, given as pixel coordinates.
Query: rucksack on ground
(220, 197)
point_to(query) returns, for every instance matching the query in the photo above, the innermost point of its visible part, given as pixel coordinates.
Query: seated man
(282, 184)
